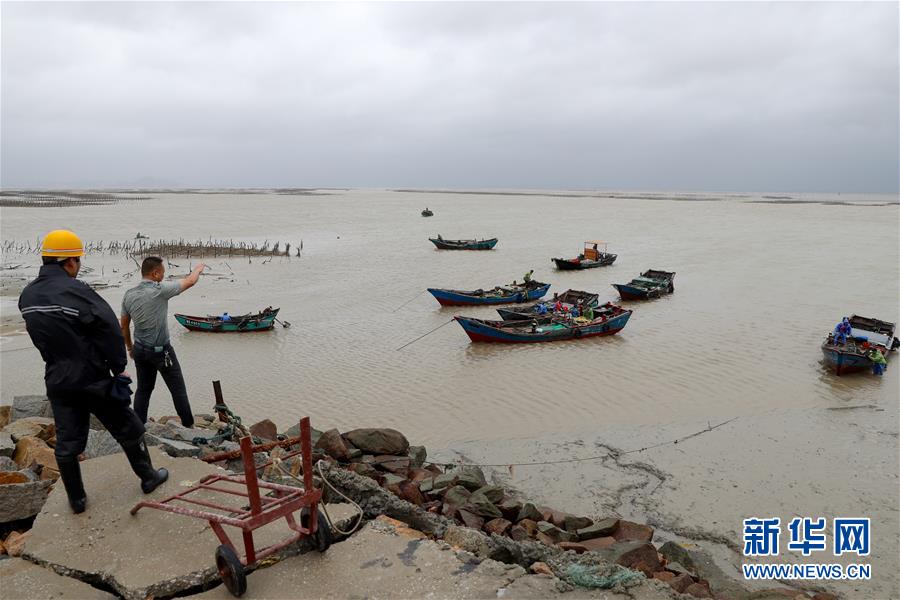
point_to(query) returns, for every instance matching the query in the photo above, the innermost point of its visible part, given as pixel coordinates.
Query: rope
(424, 334)
(586, 458)
(410, 300)
(587, 576)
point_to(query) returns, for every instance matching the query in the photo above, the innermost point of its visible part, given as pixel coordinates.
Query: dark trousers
(147, 364)
(72, 414)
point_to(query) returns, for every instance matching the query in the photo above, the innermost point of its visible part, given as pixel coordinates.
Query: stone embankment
(386, 476)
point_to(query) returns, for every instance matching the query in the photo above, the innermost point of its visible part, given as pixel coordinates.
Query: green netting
(588, 576)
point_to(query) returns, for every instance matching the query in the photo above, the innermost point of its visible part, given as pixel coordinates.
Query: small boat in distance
(443, 244)
(589, 258)
(609, 322)
(501, 294)
(865, 335)
(567, 299)
(260, 321)
(427, 213)
(651, 284)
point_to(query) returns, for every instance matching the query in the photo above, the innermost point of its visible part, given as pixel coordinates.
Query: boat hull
(237, 325)
(459, 298)
(629, 292)
(482, 332)
(468, 245)
(845, 362)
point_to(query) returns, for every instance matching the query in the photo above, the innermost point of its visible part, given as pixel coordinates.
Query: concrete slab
(22, 579)
(153, 553)
(384, 561)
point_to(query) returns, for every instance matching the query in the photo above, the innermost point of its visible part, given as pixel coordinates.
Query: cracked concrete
(384, 561)
(22, 579)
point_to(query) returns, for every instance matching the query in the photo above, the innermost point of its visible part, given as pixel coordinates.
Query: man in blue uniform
(79, 339)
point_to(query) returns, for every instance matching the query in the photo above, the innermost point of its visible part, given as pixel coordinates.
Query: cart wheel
(231, 570)
(323, 529)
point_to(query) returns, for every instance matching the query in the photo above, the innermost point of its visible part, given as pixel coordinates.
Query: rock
(492, 493)
(510, 508)
(33, 453)
(395, 464)
(38, 427)
(169, 419)
(417, 456)
(419, 474)
(470, 477)
(676, 553)
(545, 539)
(15, 542)
(529, 511)
(632, 552)
(333, 444)
(7, 445)
(518, 533)
(598, 543)
(5, 415)
(824, 596)
(470, 519)
(31, 406)
(391, 479)
(294, 431)
(572, 523)
(699, 564)
(379, 441)
(454, 499)
(557, 517)
(529, 526)
(467, 539)
(628, 530)
(665, 576)
(601, 528)
(681, 582)
(365, 470)
(409, 491)
(699, 590)
(574, 546)
(177, 448)
(555, 533)
(481, 505)
(265, 430)
(101, 443)
(497, 526)
(442, 481)
(541, 568)
(2, 548)
(676, 567)
(7, 477)
(8, 464)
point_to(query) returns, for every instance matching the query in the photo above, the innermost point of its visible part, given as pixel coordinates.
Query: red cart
(280, 501)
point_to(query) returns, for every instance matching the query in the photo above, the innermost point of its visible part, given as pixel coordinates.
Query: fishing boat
(427, 213)
(866, 334)
(260, 321)
(524, 332)
(567, 299)
(589, 258)
(501, 294)
(443, 244)
(651, 284)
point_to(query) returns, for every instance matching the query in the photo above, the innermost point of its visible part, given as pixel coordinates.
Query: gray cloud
(727, 96)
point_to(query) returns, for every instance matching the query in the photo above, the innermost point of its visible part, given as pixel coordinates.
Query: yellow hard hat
(62, 243)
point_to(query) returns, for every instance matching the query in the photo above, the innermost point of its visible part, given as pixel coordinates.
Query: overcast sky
(651, 96)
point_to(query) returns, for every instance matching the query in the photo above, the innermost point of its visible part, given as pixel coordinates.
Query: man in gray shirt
(147, 305)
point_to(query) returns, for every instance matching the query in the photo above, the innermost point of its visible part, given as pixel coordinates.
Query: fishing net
(590, 576)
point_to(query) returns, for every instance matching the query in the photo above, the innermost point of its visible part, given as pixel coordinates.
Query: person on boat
(879, 364)
(527, 277)
(589, 313)
(842, 331)
(541, 309)
(439, 237)
(79, 339)
(575, 312)
(558, 307)
(225, 317)
(147, 305)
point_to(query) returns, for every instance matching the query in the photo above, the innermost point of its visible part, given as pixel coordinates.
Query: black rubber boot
(139, 457)
(70, 473)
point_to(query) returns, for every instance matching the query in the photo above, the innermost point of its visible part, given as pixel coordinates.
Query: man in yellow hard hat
(78, 336)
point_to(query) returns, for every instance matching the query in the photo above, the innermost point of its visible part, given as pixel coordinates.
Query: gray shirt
(148, 306)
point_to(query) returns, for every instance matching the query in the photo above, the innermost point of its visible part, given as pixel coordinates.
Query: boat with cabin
(567, 300)
(589, 258)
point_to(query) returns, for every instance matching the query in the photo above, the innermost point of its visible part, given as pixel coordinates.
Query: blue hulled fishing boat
(854, 353)
(260, 321)
(529, 332)
(505, 294)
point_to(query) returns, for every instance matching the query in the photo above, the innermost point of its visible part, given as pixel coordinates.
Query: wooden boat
(524, 332)
(590, 258)
(427, 213)
(651, 284)
(507, 294)
(568, 299)
(260, 321)
(443, 244)
(865, 333)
